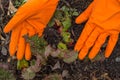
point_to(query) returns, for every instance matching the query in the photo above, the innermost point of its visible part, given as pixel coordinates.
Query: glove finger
(100, 41)
(84, 35)
(31, 30)
(27, 10)
(21, 45)
(27, 52)
(14, 40)
(111, 43)
(39, 27)
(89, 43)
(85, 15)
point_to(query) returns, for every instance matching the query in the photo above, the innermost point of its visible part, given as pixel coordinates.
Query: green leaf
(22, 64)
(75, 13)
(66, 24)
(37, 44)
(66, 37)
(62, 46)
(65, 9)
(51, 22)
(59, 15)
(19, 2)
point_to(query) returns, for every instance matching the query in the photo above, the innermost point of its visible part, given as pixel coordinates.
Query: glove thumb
(85, 15)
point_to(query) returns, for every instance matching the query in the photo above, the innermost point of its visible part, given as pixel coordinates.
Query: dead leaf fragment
(11, 8)
(65, 73)
(4, 51)
(53, 77)
(56, 66)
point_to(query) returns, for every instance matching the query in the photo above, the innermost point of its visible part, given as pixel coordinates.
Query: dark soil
(103, 69)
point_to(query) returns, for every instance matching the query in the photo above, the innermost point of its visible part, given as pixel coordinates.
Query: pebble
(117, 59)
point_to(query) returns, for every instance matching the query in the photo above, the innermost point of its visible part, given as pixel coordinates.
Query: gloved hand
(18, 42)
(31, 18)
(103, 20)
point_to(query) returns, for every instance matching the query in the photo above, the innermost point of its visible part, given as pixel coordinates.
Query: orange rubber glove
(31, 18)
(18, 43)
(103, 20)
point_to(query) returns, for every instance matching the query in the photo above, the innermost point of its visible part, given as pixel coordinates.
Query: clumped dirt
(103, 69)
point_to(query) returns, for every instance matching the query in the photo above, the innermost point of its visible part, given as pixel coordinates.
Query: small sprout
(64, 8)
(66, 37)
(37, 44)
(22, 64)
(66, 23)
(29, 73)
(19, 2)
(62, 46)
(75, 14)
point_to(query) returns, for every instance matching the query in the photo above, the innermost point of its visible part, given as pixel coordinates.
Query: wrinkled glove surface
(31, 18)
(103, 21)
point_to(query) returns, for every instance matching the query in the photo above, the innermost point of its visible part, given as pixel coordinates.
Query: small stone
(117, 59)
